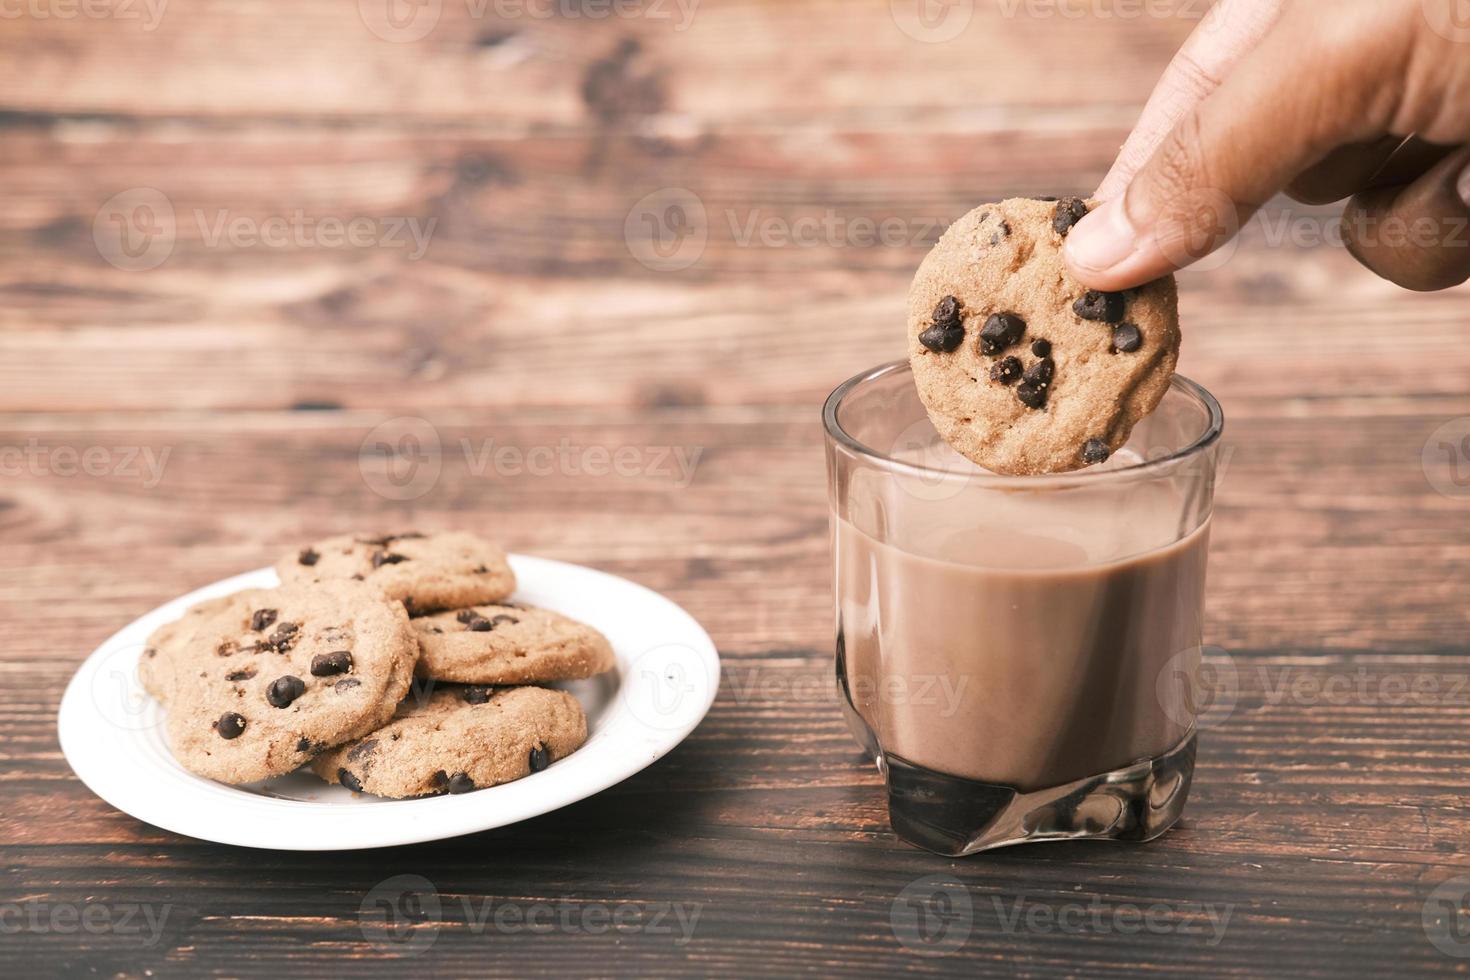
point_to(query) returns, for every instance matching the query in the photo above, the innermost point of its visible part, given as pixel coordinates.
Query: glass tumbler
(1020, 655)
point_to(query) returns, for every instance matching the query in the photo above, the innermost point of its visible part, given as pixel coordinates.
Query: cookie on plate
(1023, 370)
(458, 739)
(509, 644)
(156, 664)
(272, 677)
(428, 572)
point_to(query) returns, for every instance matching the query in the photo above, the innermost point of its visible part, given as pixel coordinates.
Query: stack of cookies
(393, 665)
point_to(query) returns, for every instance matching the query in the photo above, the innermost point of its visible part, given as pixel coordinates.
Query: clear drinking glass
(1018, 654)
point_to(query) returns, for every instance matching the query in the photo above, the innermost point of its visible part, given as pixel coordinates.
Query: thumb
(1285, 105)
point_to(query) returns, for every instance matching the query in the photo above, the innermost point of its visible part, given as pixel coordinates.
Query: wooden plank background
(254, 372)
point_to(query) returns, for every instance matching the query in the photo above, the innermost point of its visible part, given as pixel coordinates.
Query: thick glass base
(953, 816)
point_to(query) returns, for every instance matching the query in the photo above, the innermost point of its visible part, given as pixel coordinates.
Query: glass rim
(1144, 468)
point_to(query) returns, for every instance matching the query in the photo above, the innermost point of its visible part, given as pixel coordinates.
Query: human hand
(1320, 98)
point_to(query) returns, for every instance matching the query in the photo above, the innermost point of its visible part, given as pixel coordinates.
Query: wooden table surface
(186, 394)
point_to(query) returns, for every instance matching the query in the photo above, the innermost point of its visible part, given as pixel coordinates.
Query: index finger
(1228, 32)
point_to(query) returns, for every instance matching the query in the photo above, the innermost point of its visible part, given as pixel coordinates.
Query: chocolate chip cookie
(509, 644)
(269, 678)
(428, 572)
(156, 665)
(459, 739)
(1022, 369)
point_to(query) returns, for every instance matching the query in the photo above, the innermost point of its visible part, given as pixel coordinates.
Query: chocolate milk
(1006, 653)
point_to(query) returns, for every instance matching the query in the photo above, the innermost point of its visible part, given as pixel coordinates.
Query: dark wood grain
(252, 374)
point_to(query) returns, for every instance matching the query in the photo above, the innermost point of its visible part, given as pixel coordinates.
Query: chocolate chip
(240, 675)
(227, 648)
(1004, 232)
(1096, 305)
(467, 615)
(460, 782)
(477, 695)
(230, 725)
(150, 652)
(328, 664)
(540, 757)
(943, 338)
(346, 684)
(1001, 330)
(481, 570)
(381, 558)
(362, 750)
(1068, 213)
(947, 311)
(1007, 370)
(303, 744)
(479, 625)
(1032, 396)
(1041, 348)
(350, 781)
(1095, 451)
(262, 618)
(440, 779)
(308, 557)
(284, 638)
(1127, 338)
(1040, 373)
(284, 690)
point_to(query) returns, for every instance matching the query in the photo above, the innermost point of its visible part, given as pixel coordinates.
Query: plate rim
(455, 816)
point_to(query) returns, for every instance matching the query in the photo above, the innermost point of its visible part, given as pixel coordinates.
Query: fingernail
(1462, 186)
(1101, 240)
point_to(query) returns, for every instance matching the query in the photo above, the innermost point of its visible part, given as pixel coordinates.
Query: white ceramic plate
(667, 673)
